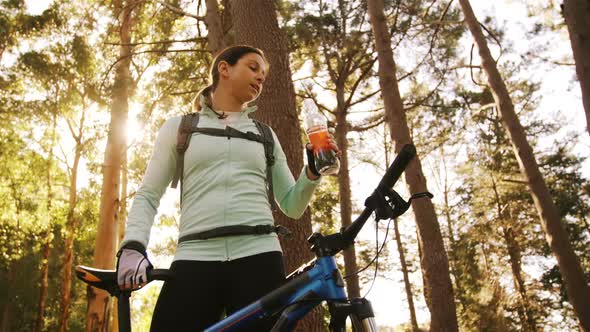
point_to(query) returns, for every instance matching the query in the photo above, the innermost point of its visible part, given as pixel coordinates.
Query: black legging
(202, 291)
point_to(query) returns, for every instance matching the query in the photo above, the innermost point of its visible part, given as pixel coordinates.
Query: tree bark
(435, 264)
(104, 251)
(48, 233)
(255, 23)
(8, 308)
(577, 19)
(120, 232)
(458, 286)
(350, 266)
(44, 279)
(71, 228)
(577, 288)
(514, 256)
(215, 34)
(407, 284)
(527, 317)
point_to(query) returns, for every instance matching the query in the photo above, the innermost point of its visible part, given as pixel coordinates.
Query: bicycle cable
(378, 253)
(376, 258)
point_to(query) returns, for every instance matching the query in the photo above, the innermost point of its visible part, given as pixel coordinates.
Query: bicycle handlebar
(107, 279)
(397, 167)
(387, 182)
(334, 243)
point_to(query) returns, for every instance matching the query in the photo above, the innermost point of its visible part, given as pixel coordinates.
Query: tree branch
(181, 12)
(368, 126)
(365, 97)
(364, 73)
(200, 39)
(142, 52)
(516, 181)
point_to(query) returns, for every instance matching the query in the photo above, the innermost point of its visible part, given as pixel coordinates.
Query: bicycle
(314, 282)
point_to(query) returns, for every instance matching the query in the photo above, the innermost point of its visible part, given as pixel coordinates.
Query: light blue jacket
(224, 184)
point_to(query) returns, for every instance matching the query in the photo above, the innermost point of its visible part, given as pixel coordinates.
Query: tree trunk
(459, 293)
(215, 34)
(408, 285)
(71, 228)
(577, 288)
(48, 234)
(120, 232)
(524, 312)
(8, 308)
(527, 316)
(104, 251)
(255, 23)
(577, 19)
(435, 264)
(458, 290)
(6, 317)
(44, 279)
(350, 266)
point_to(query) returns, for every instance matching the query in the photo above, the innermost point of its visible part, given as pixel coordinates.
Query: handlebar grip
(159, 274)
(398, 165)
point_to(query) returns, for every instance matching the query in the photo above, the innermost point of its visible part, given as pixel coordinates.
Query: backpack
(189, 125)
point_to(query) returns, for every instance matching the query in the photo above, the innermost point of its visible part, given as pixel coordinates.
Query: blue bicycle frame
(303, 291)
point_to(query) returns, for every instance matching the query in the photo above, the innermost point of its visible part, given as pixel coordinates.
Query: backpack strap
(269, 144)
(234, 230)
(230, 132)
(189, 125)
(183, 139)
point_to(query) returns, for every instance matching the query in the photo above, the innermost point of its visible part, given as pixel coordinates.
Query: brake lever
(400, 206)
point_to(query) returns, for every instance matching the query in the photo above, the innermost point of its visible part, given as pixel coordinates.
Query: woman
(224, 184)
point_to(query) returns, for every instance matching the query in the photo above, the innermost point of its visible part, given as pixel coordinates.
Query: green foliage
(480, 297)
(324, 206)
(496, 199)
(24, 220)
(142, 306)
(83, 56)
(15, 23)
(569, 189)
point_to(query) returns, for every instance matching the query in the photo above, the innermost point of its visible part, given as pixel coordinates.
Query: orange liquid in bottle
(319, 138)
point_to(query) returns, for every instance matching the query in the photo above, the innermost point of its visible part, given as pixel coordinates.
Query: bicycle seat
(103, 279)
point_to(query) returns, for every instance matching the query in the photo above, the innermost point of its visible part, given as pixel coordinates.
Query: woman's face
(246, 77)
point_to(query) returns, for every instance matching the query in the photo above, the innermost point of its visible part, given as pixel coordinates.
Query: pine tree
(104, 253)
(438, 287)
(550, 220)
(577, 19)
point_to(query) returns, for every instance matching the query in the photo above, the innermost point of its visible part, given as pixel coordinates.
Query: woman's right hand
(132, 266)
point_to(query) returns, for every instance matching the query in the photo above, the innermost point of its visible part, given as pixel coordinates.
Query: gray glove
(132, 266)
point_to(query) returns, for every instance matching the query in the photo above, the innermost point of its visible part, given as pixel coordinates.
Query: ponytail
(205, 93)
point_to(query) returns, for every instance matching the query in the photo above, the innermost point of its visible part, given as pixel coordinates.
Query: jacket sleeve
(158, 176)
(291, 196)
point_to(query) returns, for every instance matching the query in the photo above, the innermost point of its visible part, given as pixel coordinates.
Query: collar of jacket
(206, 110)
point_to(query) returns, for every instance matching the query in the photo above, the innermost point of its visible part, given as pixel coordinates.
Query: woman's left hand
(313, 175)
(333, 144)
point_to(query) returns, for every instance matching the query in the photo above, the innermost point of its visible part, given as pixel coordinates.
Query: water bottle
(316, 126)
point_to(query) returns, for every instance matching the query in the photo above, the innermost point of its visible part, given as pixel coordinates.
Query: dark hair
(231, 55)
